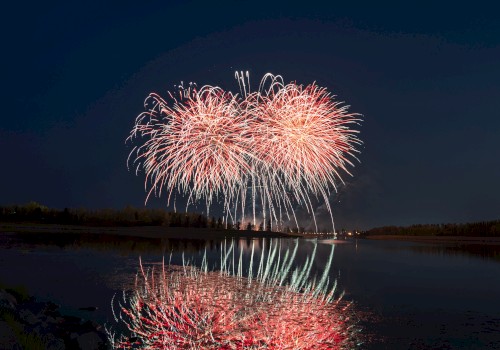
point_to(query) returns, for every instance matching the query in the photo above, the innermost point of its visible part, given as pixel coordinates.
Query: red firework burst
(197, 146)
(303, 135)
(286, 139)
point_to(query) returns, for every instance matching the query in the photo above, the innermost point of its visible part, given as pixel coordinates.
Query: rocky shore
(26, 323)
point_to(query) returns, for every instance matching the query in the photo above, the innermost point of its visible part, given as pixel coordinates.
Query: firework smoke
(277, 146)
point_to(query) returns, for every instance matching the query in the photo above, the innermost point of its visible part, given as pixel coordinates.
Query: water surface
(405, 295)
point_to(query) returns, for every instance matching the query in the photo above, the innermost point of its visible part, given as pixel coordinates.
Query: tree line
(473, 229)
(34, 212)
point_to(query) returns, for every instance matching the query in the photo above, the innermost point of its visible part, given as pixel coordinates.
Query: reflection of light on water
(123, 276)
(246, 245)
(484, 251)
(333, 241)
(181, 304)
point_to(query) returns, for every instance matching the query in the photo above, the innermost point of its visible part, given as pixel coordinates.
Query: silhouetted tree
(261, 226)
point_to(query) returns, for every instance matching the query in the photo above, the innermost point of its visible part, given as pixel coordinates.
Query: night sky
(425, 77)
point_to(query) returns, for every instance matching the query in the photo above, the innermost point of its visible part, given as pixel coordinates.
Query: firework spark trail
(198, 147)
(282, 143)
(302, 137)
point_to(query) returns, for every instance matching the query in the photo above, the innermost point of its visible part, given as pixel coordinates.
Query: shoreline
(140, 231)
(159, 232)
(438, 239)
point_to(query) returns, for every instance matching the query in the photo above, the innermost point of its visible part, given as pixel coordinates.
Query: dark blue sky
(425, 76)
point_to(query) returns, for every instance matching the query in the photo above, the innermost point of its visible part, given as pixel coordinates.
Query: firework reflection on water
(275, 306)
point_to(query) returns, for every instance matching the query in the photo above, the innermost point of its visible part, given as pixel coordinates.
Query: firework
(197, 146)
(302, 138)
(281, 145)
(278, 308)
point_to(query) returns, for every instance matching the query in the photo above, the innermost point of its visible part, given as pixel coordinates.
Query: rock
(72, 324)
(91, 325)
(89, 341)
(35, 307)
(51, 320)
(28, 317)
(44, 321)
(51, 309)
(40, 329)
(7, 301)
(59, 319)
(54, 343)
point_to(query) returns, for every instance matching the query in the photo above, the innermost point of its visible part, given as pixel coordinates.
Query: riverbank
(139, 231)
(439, 239)
(164, 232)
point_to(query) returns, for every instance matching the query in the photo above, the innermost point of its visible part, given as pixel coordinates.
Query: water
(405, 295)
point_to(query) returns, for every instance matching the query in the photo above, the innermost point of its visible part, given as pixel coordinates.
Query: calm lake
(405, 295)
